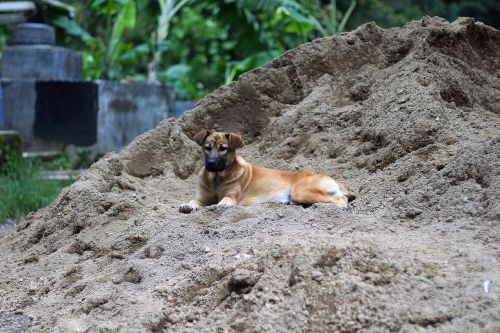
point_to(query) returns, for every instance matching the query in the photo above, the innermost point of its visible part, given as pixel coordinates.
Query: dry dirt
(408, 118)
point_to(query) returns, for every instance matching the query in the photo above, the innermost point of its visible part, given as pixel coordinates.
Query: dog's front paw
(187, 208)
(227, 201)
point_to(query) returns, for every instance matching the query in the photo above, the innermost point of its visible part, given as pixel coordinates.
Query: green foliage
(60, 163)
(252, 61)
(81, 158)
(199, 49)
(124, 20)
(72, 28)
(10, 151)
(198, 45)
(179, 76)
(391, 13)
(23, 190)
(102, 32)
(168, 9)
(22, 187)
(3, 39)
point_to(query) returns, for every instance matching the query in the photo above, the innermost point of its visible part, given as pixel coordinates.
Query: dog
(227, 179)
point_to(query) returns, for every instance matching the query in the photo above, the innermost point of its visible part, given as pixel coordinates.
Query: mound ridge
(408, 118)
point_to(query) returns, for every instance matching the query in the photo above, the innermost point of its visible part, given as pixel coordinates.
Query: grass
(22, 189)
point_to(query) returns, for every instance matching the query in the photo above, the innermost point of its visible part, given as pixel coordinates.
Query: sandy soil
(408, 118)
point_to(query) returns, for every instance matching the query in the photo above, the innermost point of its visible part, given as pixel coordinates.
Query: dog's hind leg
(318, 188)
(307, 196)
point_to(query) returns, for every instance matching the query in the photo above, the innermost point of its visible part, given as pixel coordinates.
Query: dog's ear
(235, 141)
(200, 137)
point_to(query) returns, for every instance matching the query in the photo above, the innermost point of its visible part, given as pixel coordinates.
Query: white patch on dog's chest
(282, 197)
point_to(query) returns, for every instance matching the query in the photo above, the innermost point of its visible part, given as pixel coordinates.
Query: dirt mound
(407, 118)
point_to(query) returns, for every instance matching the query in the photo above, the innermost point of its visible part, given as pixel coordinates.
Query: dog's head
(219, 148)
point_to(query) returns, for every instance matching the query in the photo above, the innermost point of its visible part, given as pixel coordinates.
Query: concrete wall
(44, 98)
(42, 62)
(127, 110)
(103, 114)
(18, 99)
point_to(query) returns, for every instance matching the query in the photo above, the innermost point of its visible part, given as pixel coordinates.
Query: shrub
(22, 189)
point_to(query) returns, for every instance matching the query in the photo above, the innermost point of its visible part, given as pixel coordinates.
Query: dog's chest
(216, 182)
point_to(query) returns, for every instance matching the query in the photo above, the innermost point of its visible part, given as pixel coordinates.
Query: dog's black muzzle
(215, 164)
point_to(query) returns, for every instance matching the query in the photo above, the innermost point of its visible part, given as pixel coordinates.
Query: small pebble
(316, 275)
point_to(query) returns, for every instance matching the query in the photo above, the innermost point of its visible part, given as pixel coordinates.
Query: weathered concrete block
(33, 34)
(181, 107)
(51, 114)
(19, 98)
(104, 114)
(127, 110)
(41, 62)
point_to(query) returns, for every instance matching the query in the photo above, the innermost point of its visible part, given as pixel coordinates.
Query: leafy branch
(168, 9)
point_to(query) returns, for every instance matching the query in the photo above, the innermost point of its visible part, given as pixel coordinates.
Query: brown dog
(227, 179)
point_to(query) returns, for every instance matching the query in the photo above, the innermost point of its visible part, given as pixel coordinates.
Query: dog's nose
(211, 163)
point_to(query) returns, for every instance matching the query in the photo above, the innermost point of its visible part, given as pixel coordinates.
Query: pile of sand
(407, 118)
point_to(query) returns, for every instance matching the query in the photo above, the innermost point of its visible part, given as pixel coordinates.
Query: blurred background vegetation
(197, 46)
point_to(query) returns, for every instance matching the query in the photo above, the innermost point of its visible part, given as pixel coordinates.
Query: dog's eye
(208, 148)
(222, 148)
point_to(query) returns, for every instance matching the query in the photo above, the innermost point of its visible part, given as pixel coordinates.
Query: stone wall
(127, 110)
(103, 114)
(45, 62)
